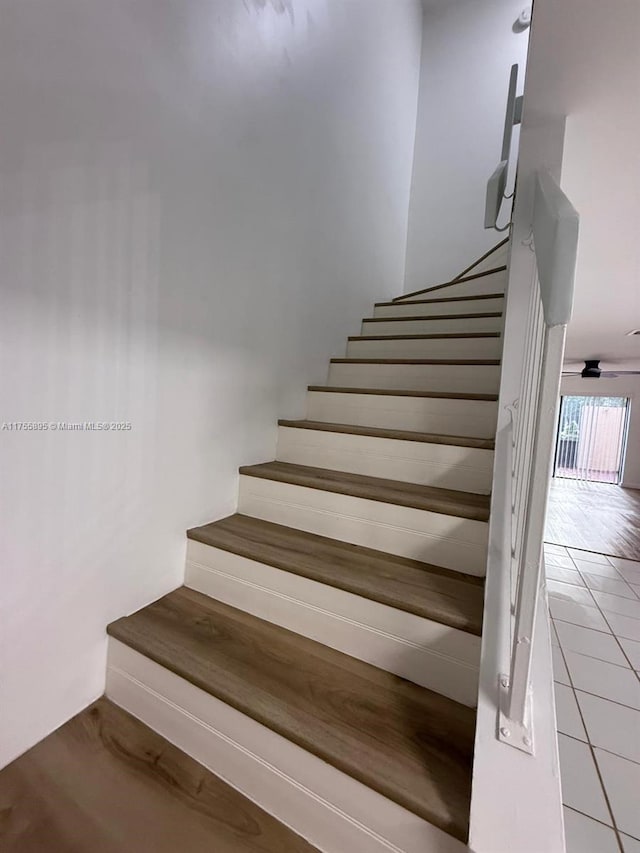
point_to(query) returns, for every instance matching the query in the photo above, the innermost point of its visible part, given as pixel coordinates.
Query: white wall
(197, 202)
(622, 386)
(468, 48)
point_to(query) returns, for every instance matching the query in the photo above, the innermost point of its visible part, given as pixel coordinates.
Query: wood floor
(594, 517)
(105, 783)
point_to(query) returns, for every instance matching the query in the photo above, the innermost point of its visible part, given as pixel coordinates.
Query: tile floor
(595, 613)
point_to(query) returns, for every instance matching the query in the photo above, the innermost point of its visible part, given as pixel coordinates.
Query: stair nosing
(399, 392)
(439, 299)
(466, 625)
(468, 362)
(408, 318)
(476, 510)
(425, 337)
(393, 434)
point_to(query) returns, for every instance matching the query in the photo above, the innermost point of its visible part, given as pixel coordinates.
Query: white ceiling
(607, 341)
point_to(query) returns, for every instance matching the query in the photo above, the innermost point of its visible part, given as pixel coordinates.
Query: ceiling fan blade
(592, 371)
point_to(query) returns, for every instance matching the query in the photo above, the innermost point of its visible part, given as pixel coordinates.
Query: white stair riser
(452, 378)
(495, 283)
(431, 326)
(446, 466)
(443, 540)
(331, 810)
(426, 348)
(463, 306)
(423, 651)
(472, 418)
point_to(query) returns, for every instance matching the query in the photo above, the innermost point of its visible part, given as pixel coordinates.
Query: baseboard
(328, 808)
(435, 656)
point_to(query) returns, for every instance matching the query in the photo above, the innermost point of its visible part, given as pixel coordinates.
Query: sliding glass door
(591, 438)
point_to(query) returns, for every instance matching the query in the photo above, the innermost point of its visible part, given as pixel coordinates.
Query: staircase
(323, 654)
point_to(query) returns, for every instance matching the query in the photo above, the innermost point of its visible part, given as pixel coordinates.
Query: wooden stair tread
(425, 337)
(442, 595)
(398, 434)
(408, 318)
(475, 362)
(104, 782)
(407, 743)
(428, 498)
(395, 392)
(442, 299)
(461, 280)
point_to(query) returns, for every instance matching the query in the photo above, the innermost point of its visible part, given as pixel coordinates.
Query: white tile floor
(595, 610)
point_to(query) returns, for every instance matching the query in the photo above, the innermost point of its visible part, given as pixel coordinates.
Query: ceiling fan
(591, 370)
